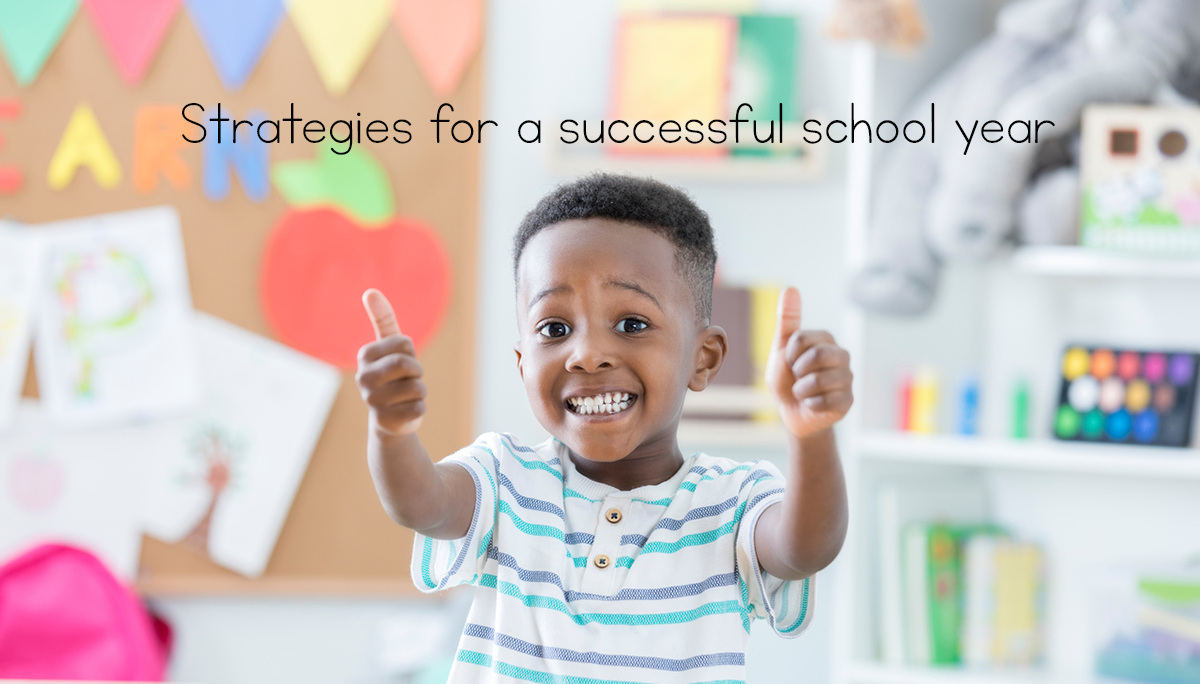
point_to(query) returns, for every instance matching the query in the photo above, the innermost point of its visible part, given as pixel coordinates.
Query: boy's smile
(609, 343)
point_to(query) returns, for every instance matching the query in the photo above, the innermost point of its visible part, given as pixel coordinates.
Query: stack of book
(956, 593)
(1161, 642)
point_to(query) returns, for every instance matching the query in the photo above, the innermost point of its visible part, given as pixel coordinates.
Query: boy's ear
(520, 369)
(710, 354)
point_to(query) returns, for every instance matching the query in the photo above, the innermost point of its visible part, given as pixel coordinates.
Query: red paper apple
(317, 264)
(36, 483)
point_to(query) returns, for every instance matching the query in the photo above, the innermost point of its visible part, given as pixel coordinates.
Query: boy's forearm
(805, 532)
(414, 492)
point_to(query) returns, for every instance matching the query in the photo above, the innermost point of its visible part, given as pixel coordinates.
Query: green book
(933, 582)
(764, 74)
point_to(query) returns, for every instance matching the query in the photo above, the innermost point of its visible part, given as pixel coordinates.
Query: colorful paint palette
(1127, 397)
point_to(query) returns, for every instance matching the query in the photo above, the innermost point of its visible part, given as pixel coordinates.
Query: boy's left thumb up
(787, 318)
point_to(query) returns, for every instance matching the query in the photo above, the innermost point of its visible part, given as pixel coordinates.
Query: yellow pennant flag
(340, 35)
(83, 143)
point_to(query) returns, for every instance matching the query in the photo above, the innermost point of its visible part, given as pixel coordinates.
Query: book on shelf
(1002, 602)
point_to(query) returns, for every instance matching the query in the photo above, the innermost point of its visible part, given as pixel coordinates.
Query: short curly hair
(659, 207)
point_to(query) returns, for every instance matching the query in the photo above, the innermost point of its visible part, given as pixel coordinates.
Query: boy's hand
(389, 375)
(807, 372)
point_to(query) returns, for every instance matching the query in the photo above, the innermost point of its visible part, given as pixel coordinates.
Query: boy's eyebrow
(634, 287)
(547, 292)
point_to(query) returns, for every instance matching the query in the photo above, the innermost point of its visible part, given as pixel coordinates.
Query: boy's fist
(807, 372)
(389, 375)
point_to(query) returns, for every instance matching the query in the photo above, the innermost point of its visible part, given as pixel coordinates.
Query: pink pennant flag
(133, 30)
(443, 37)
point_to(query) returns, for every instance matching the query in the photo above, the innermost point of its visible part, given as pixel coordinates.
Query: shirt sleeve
(786, 605)
(442, 563)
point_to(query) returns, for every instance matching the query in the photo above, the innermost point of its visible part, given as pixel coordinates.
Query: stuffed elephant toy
(1046, 61)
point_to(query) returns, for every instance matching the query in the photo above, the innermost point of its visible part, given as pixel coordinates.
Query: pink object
(1154, 367)
(132, 30)
(64, 616)
(443, 37)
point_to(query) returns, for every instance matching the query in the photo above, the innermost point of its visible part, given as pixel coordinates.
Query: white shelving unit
(1089, 506)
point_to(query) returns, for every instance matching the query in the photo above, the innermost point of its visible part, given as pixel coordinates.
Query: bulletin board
(337, 539)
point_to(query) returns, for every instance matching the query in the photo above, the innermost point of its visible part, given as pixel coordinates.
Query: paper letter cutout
(249, 156)
(235, 33)
(84, 143)
(224, 482)
(157, 138)
(114, 310)
(339, 36)
(29, 32)
(10, 175)
(133, 30)
(318, 263)
(442, 36)
(20, 262)
(354, 182)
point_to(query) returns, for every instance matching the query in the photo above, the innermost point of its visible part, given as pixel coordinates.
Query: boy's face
(609, 338)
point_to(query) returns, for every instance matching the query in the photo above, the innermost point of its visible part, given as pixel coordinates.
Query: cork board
(337, 539)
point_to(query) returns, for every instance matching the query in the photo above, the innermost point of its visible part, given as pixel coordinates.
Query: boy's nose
(588, 354)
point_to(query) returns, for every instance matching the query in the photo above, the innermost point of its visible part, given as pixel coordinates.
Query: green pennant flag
(29, 32)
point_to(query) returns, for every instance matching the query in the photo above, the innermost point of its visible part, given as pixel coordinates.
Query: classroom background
(179, 426)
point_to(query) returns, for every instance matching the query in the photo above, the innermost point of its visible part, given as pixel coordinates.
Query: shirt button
(613, 515)
(602, 561)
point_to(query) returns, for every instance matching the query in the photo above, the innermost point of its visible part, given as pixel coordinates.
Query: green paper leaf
(29, 32)
(355, 182)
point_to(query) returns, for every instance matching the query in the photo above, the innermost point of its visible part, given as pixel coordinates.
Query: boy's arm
(435, 500)
(811, 379)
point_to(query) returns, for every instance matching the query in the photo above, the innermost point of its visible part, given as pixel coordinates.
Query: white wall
(547, 59)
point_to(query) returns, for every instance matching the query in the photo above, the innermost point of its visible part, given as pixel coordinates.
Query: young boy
(604, 554)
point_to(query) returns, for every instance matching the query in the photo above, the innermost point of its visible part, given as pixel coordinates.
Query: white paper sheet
(113, 342)
(264, 406)
(81, 488)
(20, 259)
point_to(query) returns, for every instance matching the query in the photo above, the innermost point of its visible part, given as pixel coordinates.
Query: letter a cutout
(83, 143)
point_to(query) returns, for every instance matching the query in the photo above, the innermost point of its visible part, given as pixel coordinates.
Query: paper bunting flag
(443, 37)
(236, 33)
(339, 36)
(133, 30)
(29, 32)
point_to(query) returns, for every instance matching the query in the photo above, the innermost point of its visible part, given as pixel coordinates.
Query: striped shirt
(582, 583)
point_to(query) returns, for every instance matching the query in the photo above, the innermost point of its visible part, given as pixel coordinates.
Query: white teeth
(607, 403)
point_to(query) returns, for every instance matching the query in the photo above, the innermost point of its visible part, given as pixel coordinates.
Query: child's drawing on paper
(115, 305)
(224, 482)
(105, 298)
(216, 455)
(20, 257)
(35, 480)
(82, 488)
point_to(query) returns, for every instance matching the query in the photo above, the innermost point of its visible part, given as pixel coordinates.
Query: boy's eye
(631, 325)
(554, 329)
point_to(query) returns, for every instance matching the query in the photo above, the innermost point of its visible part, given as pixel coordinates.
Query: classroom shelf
(1089, 262)
(861, 673)
(1033, 455)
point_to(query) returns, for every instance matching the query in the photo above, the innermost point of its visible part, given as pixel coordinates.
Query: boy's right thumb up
(379, 310)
